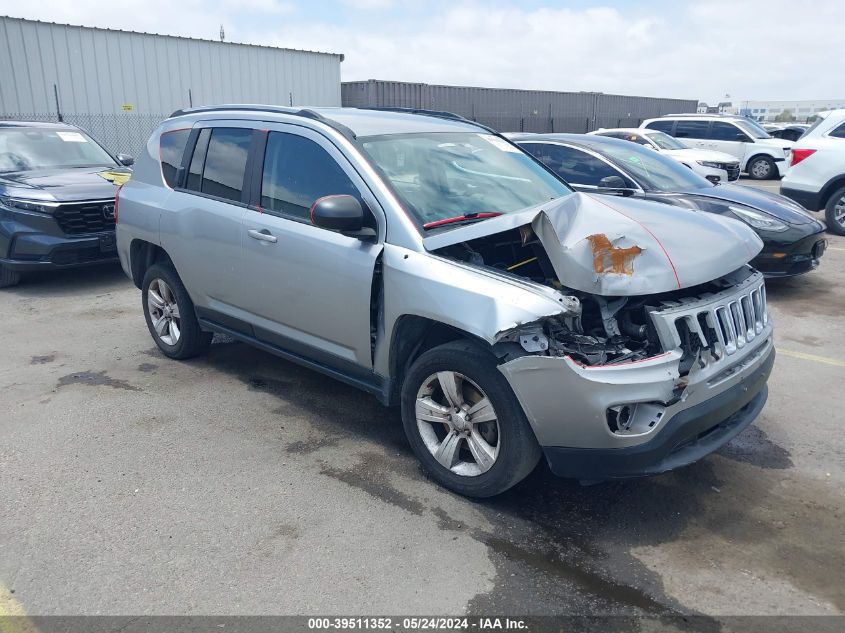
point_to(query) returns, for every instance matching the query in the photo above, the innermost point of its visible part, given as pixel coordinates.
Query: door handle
(263, 235)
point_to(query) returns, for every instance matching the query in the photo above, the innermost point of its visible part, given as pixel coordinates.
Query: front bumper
(575, 409)
(32, 241)
(796, 251)
(689, 436)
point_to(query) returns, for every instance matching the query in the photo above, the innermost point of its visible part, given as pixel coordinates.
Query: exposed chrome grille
(85, 217)
(724, 322)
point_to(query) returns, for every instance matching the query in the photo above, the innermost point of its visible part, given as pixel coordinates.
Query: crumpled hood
(694, 154)
(622, 246)
(65, 185)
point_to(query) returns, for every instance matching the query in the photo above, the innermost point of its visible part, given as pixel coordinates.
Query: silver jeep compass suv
(428, 260)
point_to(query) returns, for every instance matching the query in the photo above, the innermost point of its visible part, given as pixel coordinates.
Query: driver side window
(573, 165)
(297, 171)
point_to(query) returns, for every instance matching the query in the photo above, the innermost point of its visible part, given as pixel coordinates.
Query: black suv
(57, 189)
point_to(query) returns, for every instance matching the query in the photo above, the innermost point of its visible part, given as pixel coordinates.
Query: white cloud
(370, 5)
(755, 49)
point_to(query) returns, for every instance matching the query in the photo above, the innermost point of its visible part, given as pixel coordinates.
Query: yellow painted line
(812, 357)
(833, 248)
(13, 617)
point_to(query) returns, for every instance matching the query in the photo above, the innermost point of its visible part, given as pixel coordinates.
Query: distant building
(799, 111)
(726, 107)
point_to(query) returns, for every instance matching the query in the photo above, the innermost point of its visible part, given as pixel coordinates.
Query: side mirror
(742, 138)
(613, 182)
(342, 213)
(125, 160)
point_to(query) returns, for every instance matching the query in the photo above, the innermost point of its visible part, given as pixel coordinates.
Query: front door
(308, 289)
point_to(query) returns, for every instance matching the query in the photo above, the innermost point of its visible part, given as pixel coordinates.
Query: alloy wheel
(457, 423)
(760, 169)
(839, 212)
(164, 312)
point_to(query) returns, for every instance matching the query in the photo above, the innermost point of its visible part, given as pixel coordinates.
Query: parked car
(57, 187)
(790, 132)
(715, 166)
(760, 156)
(793, 240)
(816, 177)
(431, 262)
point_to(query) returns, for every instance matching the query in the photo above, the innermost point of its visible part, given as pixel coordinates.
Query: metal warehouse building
(516, 110)
(119, 85)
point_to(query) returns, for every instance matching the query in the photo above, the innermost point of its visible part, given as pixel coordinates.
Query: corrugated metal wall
(516, 110)
(97, 71)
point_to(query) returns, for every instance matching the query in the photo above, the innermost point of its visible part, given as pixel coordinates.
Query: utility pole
(222, 33)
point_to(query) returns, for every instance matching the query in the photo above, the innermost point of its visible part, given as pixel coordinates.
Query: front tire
(9, 278)
(464, 422)
(761, 168)
(170, 314)
(834, 212)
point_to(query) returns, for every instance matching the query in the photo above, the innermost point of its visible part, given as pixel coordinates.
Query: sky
(705, 49)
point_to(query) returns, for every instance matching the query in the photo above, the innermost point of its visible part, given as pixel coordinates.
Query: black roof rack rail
(251, 107)
(440, 114)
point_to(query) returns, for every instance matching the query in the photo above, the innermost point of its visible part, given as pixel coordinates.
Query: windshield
(752, 128)
(652, 169)
(664, 141)
(29, 148)
(438, 176)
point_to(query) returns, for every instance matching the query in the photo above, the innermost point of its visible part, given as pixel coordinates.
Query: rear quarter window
(171, 148)
(838, 132)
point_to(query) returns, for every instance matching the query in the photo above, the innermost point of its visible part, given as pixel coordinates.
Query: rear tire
(834, 212)
(170, 314)
(491, 445)
(9, 278)
(761, 168)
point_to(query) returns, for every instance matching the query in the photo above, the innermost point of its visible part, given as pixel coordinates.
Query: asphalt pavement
(239, 483)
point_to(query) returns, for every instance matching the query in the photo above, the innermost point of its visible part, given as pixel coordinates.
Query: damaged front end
(667, 324)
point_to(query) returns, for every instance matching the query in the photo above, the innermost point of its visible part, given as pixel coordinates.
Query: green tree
(785, 116)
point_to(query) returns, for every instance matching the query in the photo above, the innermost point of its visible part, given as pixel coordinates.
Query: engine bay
(608, 330)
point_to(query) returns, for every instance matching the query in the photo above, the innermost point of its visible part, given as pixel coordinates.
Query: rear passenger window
(171, 147)
(662, 125)
(297, 171)
(837, 133)
(225, 162)
(692, 129)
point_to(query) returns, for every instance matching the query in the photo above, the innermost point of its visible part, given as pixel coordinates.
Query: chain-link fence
(125, 132)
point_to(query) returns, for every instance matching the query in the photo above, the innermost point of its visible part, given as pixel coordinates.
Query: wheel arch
(142, 255)
(832, 186)
(414, 335)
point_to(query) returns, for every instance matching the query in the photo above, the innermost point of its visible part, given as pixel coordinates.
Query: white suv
(715, 166)
(816, 177)
(760, 156)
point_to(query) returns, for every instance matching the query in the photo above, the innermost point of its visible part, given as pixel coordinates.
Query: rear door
(694, 133)
(201, 227)
(307, 289)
